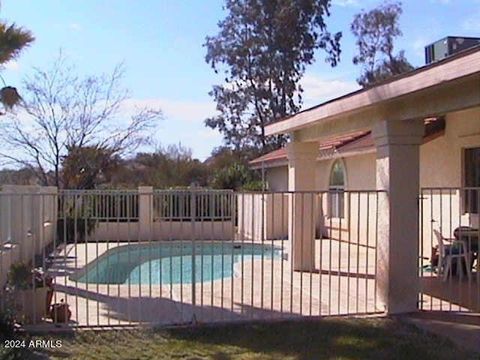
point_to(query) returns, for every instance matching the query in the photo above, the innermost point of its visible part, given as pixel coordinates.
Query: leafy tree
(228, 169)
(174, 166)
(262, 49)
(13, 39)
(87, 167)
(167, 167)
(236, 176)
(376, 31)
(64, 112)
(224, 156)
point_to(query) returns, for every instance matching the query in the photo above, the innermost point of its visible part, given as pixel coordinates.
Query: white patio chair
(445, 256)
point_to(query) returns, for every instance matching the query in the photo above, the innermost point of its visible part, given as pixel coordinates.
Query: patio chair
(449, 250)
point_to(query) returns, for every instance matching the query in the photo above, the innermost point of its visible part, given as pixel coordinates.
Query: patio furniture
(449, 250)
(470, 236)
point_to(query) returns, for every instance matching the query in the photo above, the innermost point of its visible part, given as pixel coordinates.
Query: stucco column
(145, 212)
(398, 145)
(302, 158)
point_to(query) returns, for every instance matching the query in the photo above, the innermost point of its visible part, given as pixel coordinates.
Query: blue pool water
(170, 263)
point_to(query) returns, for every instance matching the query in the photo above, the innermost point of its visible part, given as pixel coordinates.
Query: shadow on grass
(323, 339)
(343, 338)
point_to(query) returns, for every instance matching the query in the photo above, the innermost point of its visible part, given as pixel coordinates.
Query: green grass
(324, 339)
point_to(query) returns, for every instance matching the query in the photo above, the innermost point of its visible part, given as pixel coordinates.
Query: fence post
(145, 212)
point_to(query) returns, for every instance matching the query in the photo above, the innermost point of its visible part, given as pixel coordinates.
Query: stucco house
(416, 137)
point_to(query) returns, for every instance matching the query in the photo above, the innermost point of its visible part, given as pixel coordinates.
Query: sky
(161, 42)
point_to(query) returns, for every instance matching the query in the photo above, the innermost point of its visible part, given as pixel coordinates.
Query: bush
(67, 228)
(22, 276)
(237, 176)
(255, 185)
(7, 325)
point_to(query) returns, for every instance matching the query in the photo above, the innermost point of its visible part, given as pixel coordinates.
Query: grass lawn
(324, 339)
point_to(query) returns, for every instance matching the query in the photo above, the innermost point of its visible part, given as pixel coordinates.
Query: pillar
(398, 174)
(302, 157)
(145, 212)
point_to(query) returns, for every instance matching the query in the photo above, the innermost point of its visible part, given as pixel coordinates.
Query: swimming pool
(168, 263)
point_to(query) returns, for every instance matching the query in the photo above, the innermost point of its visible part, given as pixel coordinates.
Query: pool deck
(259, 289)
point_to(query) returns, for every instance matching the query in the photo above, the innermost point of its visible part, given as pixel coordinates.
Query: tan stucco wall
(360, 172)
(163, 230)
(441, 159)
(440, 166)
(27, 223)
(277, 178)
(274, 221)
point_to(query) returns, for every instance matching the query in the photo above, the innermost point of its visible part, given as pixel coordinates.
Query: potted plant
(60, 312)
(32, 291)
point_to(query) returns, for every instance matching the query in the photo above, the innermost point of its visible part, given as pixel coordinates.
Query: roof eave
(422, 79)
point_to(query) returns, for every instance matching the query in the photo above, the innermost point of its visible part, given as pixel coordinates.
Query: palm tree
(13, 39)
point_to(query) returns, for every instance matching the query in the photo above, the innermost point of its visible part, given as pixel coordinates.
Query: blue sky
(160, 43)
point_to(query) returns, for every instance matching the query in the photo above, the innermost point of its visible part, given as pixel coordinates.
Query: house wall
(250, 215)
(274, 220)
(277, 178)
(441, 159)
(360, 205)
(360, 172)
(440, 166)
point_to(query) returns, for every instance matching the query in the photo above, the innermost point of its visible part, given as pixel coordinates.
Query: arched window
(336, 189)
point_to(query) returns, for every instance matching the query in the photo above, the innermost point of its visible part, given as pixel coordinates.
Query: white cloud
(182, 110)
(75, 26)
(318, 89)
(346, 2)
(12, 65)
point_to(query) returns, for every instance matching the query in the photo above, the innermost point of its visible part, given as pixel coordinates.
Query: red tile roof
(358, 141)
(332, 143)
(279, 154)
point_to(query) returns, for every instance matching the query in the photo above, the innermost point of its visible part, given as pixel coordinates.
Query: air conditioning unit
(448, 46)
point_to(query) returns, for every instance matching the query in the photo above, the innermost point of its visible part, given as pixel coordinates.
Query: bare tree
(62, 111)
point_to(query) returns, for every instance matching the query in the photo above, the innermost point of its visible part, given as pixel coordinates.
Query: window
(472, 180)
(336, 190)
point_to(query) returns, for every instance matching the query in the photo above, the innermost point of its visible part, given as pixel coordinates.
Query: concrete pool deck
(342, 283)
